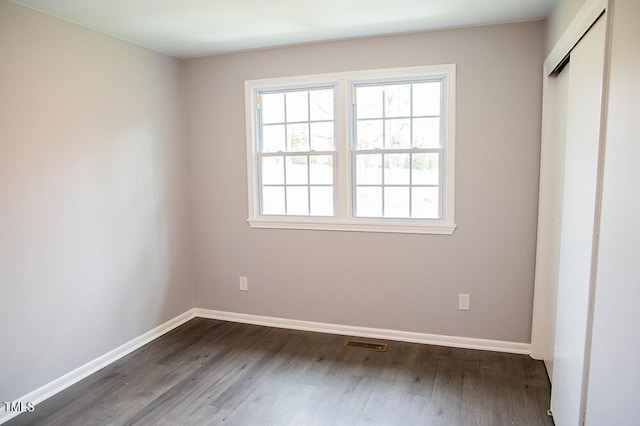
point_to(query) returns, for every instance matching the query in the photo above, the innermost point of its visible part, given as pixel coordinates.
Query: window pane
(298, 137)
(321, 169)
(397, 100)
(273, 138)
(369, 201)
(321, 104)
(272, 171)
(369, 169)
(396, 202)
(398, 134)
(426, 99)
(424, 203)
(369, 102)
(297, 200)
(322, 200)
(426, 169)
(272, 108)
(369, 134)
(273, 200)
(322, 136)
(397, 169)
(297, 170)
(297, 106)
(426, 132)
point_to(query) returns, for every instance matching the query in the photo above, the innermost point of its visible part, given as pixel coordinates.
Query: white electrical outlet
(463, 302)
(244, 284)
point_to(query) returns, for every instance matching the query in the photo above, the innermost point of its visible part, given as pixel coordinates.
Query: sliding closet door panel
(576, 234)
(554, 224)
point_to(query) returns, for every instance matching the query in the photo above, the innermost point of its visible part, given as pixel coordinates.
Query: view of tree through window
(297, 152)
(398, 150)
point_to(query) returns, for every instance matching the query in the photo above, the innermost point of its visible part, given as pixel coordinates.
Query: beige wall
(94, 231)
(391, 281)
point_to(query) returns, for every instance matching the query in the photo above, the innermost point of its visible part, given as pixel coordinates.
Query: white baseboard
(373, 333)
(61, 383)
(91, 367)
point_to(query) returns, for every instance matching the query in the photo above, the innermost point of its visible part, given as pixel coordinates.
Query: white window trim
(342, 186)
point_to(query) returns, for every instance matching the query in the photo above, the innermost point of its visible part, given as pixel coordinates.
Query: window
(296, 152)
(398, 149)
(358, 151)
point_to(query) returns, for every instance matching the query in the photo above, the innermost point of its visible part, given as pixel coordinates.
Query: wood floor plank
(209, 372)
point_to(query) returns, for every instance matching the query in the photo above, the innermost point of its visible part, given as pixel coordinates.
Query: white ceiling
(187, 28)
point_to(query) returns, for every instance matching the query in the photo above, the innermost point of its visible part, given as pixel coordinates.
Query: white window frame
(344, 220)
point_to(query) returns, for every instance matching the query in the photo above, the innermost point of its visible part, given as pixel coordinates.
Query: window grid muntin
(284, 154)
(355, 152)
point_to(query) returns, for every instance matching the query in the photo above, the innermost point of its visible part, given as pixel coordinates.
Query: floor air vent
(365, 345)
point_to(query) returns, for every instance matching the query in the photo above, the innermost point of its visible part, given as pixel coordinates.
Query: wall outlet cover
(463, 302)
(244, 284)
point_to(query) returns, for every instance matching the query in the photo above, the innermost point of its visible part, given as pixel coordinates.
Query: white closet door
(577, 229)
(551, 242)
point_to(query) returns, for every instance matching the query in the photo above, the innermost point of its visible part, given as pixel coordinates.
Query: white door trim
(584, 19)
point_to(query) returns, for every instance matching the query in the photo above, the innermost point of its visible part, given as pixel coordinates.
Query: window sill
(398, 227)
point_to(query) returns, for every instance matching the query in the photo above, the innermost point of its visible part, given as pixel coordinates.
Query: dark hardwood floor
(209, 372)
